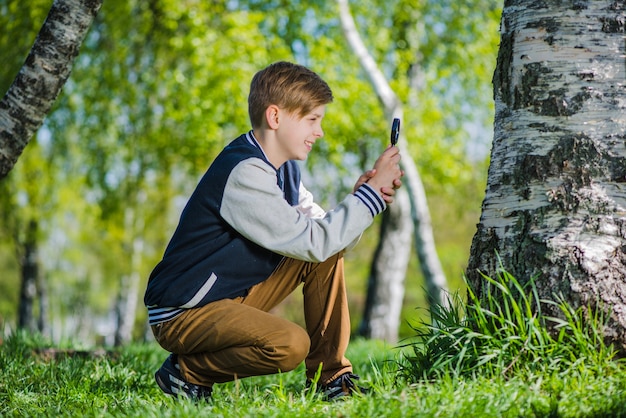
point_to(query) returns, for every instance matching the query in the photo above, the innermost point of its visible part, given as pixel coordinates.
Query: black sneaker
(170, 380)
(342, 386)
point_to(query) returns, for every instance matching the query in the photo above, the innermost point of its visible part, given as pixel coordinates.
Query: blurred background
(160, 87)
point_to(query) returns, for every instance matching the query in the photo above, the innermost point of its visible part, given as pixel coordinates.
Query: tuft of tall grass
(504, 333)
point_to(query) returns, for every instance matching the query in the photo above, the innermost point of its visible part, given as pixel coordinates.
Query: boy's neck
(266, 140)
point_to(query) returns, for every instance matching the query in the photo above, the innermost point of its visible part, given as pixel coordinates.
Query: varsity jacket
(242, 219)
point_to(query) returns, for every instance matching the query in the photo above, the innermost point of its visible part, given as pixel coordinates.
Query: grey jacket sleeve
(254, 206)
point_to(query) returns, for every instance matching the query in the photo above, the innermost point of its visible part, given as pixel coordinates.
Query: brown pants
(237, 338)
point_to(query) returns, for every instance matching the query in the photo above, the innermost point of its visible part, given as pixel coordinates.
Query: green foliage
(503, 332)
(160, 86)
(25, 19)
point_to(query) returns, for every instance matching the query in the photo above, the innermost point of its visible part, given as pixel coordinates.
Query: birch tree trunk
(47, 67)
(128, 296)
(555, 204)
(126, 308)
(386, 282)
(383, 303)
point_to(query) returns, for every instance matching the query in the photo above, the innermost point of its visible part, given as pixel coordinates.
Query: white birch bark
(47, 67)
(555, 204)
(386, 283)
(128, 296)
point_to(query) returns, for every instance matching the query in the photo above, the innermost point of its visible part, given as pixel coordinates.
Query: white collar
(253, 141)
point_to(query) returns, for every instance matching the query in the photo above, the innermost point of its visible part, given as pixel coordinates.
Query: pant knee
(296, 348)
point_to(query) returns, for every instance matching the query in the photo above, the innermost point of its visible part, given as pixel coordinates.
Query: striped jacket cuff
(371, 199)
(157, 315)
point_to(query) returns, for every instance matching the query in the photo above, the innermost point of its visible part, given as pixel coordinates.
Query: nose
(318, 132)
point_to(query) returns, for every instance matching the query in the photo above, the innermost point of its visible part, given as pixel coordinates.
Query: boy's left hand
(387, 192)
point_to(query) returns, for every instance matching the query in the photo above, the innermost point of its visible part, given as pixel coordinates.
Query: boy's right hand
(387, 172)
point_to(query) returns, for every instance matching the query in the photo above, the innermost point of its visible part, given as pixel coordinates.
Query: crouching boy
(249, 235)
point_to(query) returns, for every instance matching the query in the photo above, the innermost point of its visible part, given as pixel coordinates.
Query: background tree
(41, 78)
(22, 224)
(416, 45)
(385, 290)
(555, 206)
(27, 202)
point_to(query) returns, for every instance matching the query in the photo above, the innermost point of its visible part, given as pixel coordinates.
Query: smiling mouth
(309, 144)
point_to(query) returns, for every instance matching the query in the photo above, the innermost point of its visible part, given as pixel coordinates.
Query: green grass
(123, 385)
(491, 358)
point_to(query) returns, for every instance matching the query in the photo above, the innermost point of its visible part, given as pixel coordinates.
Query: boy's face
(296, 135)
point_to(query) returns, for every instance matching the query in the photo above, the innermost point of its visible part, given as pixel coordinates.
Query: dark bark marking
(502, 74)
(578, 160)
(574, 155)
(483, 254)
(534, 5)
(550, 24)
(534, 73)
(614, 25)
(618, 23)
(555, 102)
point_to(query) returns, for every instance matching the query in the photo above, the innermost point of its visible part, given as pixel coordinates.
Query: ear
(271, 116)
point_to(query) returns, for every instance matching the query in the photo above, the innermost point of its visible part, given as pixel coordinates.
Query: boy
(248, 236)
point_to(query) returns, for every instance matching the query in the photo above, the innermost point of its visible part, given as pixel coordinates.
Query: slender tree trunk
(47, 67)
(43, 323)
(388, 267)
(555, 204)
(127, 300)
(381, 316)
(126, 308)
(29, 265)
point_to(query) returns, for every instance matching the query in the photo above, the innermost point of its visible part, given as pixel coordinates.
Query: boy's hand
(364, 178)
(388, 172)
(385, 176)
(387, 192)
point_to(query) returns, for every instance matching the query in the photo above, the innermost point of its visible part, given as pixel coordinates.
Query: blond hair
(289, 86)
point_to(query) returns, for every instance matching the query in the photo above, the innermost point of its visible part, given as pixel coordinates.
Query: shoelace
(346, 381)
